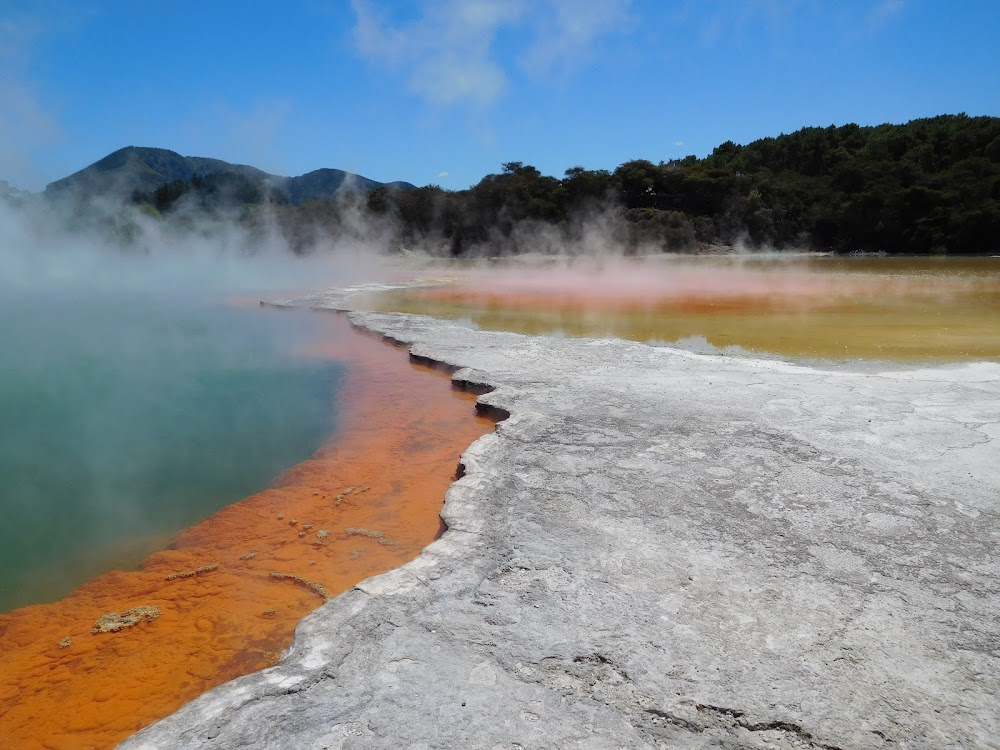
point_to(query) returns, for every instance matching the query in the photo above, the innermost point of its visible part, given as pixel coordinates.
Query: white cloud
(448, 52)
(678, 143)
(442, 174)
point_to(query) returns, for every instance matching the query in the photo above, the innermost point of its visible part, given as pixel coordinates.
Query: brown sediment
(402, 429)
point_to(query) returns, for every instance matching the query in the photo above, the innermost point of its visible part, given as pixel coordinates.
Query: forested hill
(929, 186)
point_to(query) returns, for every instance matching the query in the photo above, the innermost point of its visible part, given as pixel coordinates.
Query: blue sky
(443, 92)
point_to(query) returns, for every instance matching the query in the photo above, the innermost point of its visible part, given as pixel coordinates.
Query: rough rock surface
(662, 549)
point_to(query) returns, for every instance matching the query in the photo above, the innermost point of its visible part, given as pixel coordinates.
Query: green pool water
(125, 419)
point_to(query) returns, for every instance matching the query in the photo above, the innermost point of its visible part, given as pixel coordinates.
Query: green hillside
(928, 186)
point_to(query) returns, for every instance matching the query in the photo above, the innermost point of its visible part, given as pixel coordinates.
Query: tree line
(928, 186)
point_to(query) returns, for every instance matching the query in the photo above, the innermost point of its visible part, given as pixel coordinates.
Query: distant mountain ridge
(143, 169)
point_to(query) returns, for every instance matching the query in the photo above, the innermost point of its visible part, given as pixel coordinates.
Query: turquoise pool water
(124, 419)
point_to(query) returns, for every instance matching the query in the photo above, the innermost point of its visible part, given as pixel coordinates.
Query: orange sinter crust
(367, 502)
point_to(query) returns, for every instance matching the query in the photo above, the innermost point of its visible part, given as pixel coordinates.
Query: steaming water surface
(901, 309)
(126, 419)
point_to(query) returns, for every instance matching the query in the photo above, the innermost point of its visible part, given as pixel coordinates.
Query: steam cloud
(135, 398)
(50, 247)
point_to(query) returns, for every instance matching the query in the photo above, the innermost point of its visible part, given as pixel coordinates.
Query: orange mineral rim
(128, 648)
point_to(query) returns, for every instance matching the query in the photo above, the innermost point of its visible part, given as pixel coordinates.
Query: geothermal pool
(128, 419)
(229, 591)
(897, 309)
(374, 489)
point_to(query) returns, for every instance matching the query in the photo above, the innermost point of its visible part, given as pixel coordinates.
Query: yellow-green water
(903, 309)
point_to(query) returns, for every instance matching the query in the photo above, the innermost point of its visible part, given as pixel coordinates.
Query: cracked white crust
(661, 549)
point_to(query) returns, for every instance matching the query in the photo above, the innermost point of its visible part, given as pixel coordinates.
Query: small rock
(114, 621)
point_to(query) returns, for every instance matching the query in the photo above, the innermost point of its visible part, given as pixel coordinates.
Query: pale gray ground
(661, 549)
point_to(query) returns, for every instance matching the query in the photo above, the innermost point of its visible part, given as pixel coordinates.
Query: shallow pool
(901, 309)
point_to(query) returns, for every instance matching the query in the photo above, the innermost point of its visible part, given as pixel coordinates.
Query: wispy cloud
(254, 133)
(711, 29)
(26, 124)
(729, 21)
(678, 143)
(448, 52)
(565, 31)
(442, 174)
(883, 13)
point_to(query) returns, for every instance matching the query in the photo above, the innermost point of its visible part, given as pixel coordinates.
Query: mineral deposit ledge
(659, 549)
